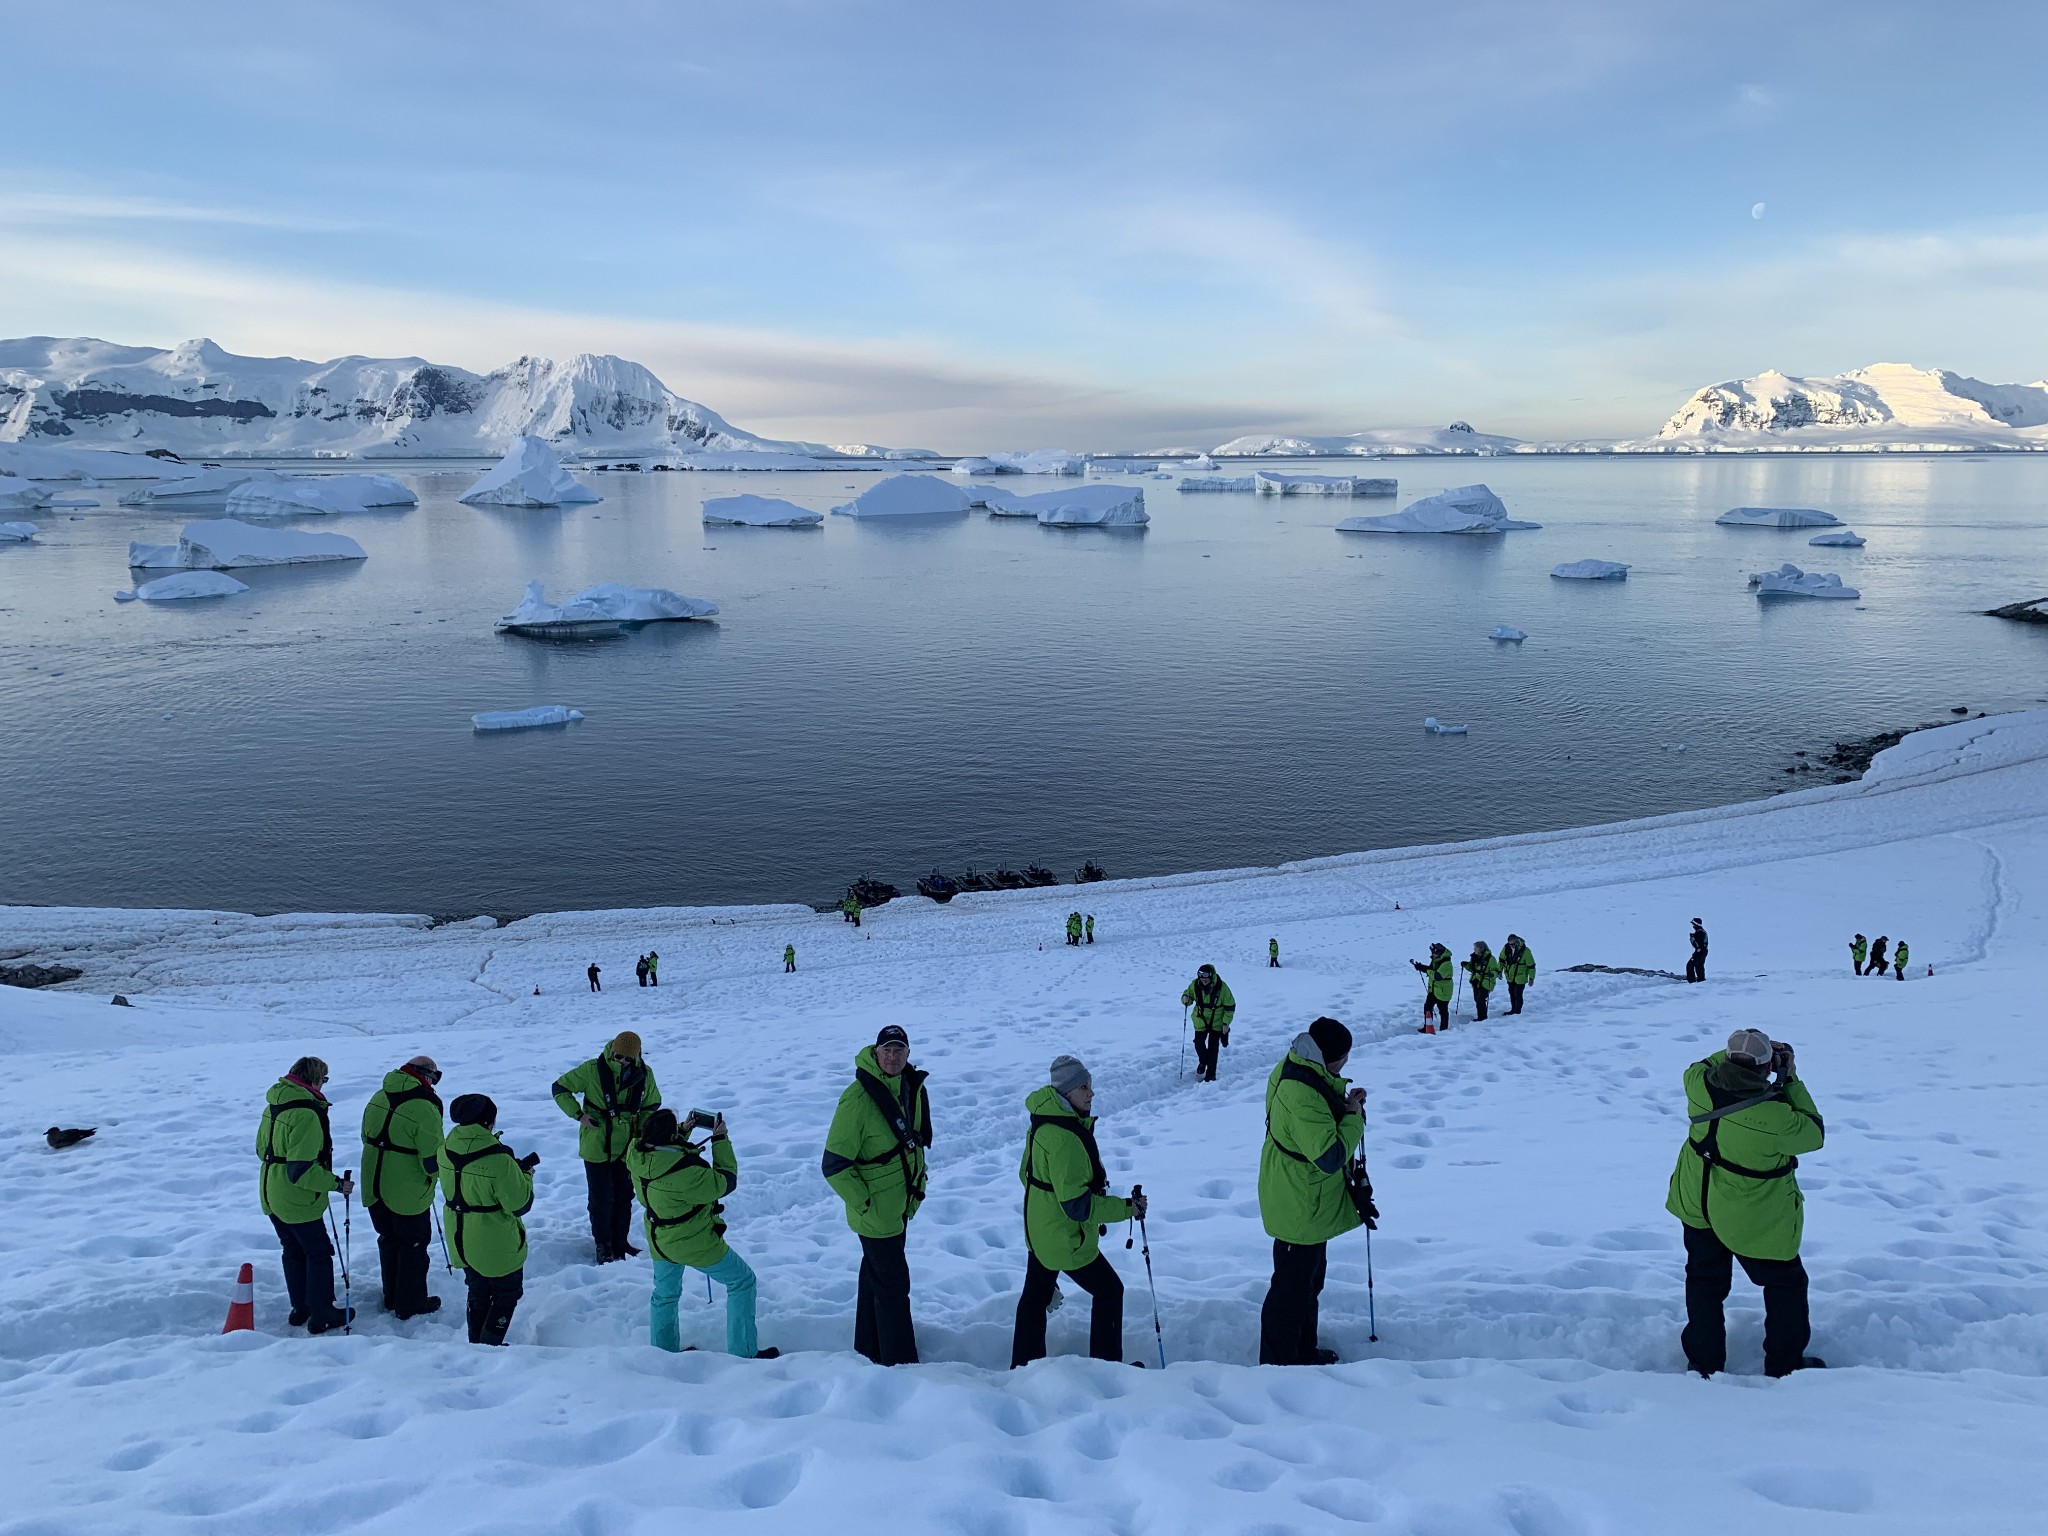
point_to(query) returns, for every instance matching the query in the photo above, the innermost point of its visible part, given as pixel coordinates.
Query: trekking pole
(1372, 1316)
(1183, 1072)
(1158, 1337)
(348, 1301)
(442, 1233)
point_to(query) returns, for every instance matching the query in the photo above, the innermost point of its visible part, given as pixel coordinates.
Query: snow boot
(297, 1317)
(1806, 1363)
(770, 1353)
(333, 1318)
(1321, 1356)
(432, 1304)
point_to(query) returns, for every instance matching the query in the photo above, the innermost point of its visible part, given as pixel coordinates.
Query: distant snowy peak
(1882, 404)
(1458, 437)
(196, 398)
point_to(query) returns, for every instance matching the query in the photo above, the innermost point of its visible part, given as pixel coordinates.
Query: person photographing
(680, 1190)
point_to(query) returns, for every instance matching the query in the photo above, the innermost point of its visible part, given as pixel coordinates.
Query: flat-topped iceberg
(1089, 506)
(42, 461)
(1778, 517)
(190, 485)
(528, 476)
(335, 493)
(18, 533)
(1508, 632)
(1790, 581)
(1462, 509)
(1840, 538)
(1267, 483)
(524, 719)
(906, 496)
(1218, 482)
(750, 511)
(601, 609)
(1035, 461)
(1590, 570)
(167, 589)
(17, 495)
(228, 544)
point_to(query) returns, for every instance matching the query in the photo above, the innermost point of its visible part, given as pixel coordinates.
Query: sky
(1096, 223)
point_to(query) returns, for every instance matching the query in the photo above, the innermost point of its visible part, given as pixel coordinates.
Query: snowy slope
(196, 398)
(1526, 1381)
(1886, 406)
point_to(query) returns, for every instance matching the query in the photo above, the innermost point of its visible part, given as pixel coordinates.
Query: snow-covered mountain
(198, 399)
(1886, 406)
(1458, 437)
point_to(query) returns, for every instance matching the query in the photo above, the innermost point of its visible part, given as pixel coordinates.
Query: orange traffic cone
(242, 1310)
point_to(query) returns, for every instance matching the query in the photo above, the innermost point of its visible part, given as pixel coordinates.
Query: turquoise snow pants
(665, 1332)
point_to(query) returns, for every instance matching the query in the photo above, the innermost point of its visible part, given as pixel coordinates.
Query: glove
(347, 1185)
(530, 1161)
(1226, 1038)
(1139, 1205)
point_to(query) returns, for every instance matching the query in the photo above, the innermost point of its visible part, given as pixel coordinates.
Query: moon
(1756, 210)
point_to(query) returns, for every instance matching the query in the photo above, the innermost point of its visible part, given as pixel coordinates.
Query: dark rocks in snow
(38, 975)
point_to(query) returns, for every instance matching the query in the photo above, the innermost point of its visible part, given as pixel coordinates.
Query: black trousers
(1709, 1272)
(642, 973)
(1696, 967)
(308, 1265)
(788, 966)
(492, 1301)
(594, 986)
(1273, 962)
(882, 1329)
(1479, 996)
(1442, 1007)
(1287, 1322)
(1208, 1048)
(611, 1208)
(402, 1243)
(1514, 997)
(1100, 1280)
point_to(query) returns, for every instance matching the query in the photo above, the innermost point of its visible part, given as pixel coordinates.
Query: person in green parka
(1517, 968)
(788, 958)
(297, 1148)
(1315, 1121)
(1439, 983)
(1900, 954)
(1214, 1008)
(1066, 1202)
(1073, 928)
(609, 1096)
(1273, 954)
(849, 909)
(1484, 971)
(401, 1158)
(680, 1192)
(1859, 951)
(875, 1161)
(485, 1190)
(1735, 1190)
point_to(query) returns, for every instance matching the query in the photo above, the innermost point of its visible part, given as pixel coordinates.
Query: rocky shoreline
(1845, 761)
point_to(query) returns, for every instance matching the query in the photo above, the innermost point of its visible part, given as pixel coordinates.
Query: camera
(1781, 1058)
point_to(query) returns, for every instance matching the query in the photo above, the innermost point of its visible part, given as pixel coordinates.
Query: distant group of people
(1080, 927)
(1516, 964)
(1869, 958)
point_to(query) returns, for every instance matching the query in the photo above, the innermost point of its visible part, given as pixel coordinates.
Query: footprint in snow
(1840, 1490)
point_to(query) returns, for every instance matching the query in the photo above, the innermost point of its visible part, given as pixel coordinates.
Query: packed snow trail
(1527, 1377)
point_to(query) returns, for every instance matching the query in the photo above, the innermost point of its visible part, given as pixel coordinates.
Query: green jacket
(616, 1094)
(1302, 1197)
(1214, 1008)
(878, 1172)
(1858, 949)
(789, 954)
(401, 1145)
(293, 1137)
(1484, 974)
(484, 1192)
(1442, 977)
(1520, 966)
(1757, 1217)
(1272, 949)
(1073, 924)
(680, 1192)
(850, 904)
(1066, 1193)
(1899, 953)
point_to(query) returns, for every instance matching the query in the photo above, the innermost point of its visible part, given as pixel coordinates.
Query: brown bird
(60, 1139)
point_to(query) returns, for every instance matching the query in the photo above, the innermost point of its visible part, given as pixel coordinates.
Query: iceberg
(523, 719)
(1778, 517)
(335, 493)
(1089, 506)
(599, 610)
(1218, 483)
(528, 476)
(226, 544)
(1462, 509)
(749, 511)
(1841, 538)
(200, 485)
(1790, 581)
(1508, 632)
(1591, 570)
(1436, 727)
(1037, 461)
(17, 533)
(38, 461)
(906, 496)
(185, 584)
(999, 502)
(1267, 483)
(17, 495)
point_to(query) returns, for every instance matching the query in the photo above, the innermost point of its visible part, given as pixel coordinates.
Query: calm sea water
(1238, 684)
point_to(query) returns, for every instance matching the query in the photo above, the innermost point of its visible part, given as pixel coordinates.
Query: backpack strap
(1295, 1072)
(381, 1138)
(319, 1109)
(901, 1116)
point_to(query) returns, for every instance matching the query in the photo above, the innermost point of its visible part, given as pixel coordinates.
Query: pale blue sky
(1110, 223)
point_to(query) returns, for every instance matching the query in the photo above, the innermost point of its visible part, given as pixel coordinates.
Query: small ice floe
(1462, 509)
(1590, 570)
(749, 511)
(1508, 632)
(604, 609)
(18, 533)
(1219, 482)
(999, 502)
(1089, 506)
(334, 493)
(906, 496)
(525, 719)
(1778, 517)
(69, 502)
(1436, 727)
(1790, 581)
(1841, 538)
(528, 476)
(166, 589)
(216, 544)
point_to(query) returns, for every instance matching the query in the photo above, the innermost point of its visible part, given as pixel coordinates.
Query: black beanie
(1331, 1038)
(658, 1129)
(473, 1109)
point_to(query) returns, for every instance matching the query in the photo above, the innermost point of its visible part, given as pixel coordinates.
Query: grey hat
(1750, 1048)
(1068, 1074)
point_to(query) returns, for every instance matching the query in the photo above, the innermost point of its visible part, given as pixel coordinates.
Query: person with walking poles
(680, 1191)
(788, 958)
(1214, 1009)
(1518, 968)
(485, 1190)
(1484, 971)
(609, 1096)
(1859, 951)
(1273, 954)
(875, 1161)
(401, 1160)
(590, 973)
(1440, 984)
(1735, 1190)
(1066, 1203)
(1696, 967)
(1899, 956)
(1311, 1187)
(297, 1148)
